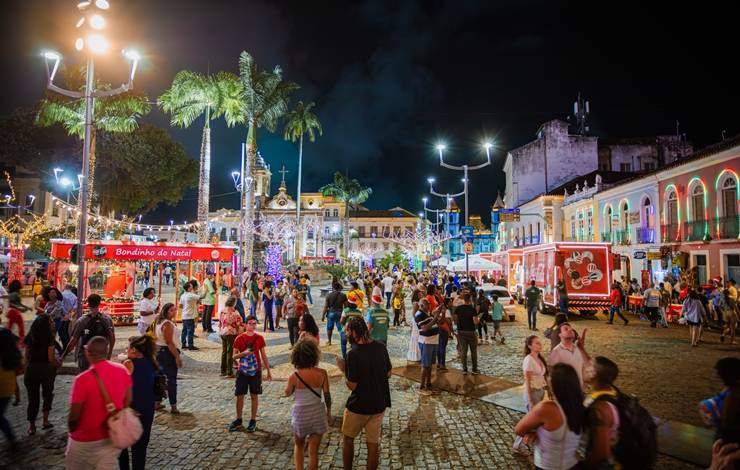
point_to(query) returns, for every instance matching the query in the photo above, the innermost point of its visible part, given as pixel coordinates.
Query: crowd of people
(576, 416)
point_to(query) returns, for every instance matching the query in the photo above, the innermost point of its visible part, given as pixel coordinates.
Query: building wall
(639, 200)
(580, 221)
(565, 157)
(643, 156)
(541, 222)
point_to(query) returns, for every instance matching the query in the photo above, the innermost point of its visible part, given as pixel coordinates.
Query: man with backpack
(92, 324)
(620, 431)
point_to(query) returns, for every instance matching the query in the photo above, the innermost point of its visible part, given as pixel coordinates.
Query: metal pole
(84, 187)
(242, 228)
(465, 185)
(299, 242)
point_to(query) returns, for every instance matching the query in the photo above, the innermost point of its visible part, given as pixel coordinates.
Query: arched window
(646, 212)
(728, 197)
(608, 220)
(624, 215)
(697, 202)
(671, 208)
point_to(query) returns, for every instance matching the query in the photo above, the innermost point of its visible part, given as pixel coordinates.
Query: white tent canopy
(441, 261)
(475, 263)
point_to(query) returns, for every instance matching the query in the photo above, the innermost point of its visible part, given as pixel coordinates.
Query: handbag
(160, 386)
(124, 427)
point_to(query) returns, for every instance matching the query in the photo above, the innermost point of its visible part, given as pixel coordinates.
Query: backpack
(95, 327)
(637, 445)
(151, 330)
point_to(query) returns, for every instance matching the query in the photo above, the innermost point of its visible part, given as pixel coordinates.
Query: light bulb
(97, 43)
(79, 44)
(97, 21)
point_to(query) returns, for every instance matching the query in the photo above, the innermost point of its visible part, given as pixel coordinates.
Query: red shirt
(85, 390)
(15, 318)
(433, 304)
(257, 342)
(616, 298)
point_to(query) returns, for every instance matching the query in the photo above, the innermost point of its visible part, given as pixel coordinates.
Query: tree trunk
(299, 232)
(204, 183)
(345, 230)
(90, 178)
(247, 248)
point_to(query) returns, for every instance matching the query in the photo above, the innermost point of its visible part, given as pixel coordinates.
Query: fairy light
(668, 189)
(718, 191)
(689, 196)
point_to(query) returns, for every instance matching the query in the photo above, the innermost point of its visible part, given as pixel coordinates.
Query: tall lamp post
(93, 43)
(465, 169)
(239, 177)
(448, 205)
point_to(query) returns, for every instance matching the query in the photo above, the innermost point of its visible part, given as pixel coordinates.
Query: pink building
(699, 207)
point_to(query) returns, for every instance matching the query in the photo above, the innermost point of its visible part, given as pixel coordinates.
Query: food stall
(120, 270)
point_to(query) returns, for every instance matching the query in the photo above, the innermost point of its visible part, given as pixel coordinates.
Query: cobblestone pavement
(442, 431)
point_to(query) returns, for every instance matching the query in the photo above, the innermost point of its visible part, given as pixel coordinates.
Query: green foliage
(140, 170)
(192, 94)
(22, 143)
(119, 113)
(41, 241)
(347, 190)
(339, 271)
(394, 258)
(300, 121)
(265, 95)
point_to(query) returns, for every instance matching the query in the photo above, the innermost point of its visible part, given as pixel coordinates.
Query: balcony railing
(670, 233)
(728, 227)
(616, 237)
(645, 235)
(581, 237)
(696, 230)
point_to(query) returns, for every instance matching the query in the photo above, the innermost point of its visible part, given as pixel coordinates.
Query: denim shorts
(332, 319)
(428, 354)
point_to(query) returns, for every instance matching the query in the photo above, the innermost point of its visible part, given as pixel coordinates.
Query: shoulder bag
(124, 427)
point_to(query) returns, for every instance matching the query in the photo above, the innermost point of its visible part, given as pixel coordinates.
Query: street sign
(468, 247)
(510, 215)
(466, 232)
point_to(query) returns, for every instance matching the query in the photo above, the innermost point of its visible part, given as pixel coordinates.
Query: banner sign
(131, 252)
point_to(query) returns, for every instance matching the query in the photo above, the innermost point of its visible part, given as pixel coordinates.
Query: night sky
(391, 78)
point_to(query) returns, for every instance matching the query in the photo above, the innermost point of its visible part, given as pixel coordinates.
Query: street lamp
(446, 211)
(238, 177)
(93, 43)
(465, 169)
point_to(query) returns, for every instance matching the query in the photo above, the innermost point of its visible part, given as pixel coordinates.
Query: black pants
(396, 317)
(138, 450)
(169, 368)
(39, 377)
(207, 314)
(482, 327)
(293, 330)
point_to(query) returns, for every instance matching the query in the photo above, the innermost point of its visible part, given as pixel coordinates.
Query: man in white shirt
(388, 289)
(652, 304)
(189, 303)
(570, 352)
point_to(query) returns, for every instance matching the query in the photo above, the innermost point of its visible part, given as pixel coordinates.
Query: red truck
(511, 269)
(585, 268)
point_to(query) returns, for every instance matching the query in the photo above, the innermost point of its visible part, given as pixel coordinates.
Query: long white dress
(414, 354)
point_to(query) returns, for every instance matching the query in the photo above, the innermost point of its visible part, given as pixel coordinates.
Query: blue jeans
(308, 295)
(612, 311)
(343, 343)
(253, 308)
(442, 348)
(563, 304)
(388, 299)
(169, 368)
(332, 318)
(4, 423)
(532, 316)
(268, 315)
(188, 330)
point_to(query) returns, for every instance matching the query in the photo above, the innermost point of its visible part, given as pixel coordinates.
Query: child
(249, 351)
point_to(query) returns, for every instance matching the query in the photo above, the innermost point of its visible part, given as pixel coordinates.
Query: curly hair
(305, 354)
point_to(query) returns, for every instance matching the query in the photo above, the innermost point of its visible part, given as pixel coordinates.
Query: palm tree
(118, 113)
(191, 96)
(264, 100)
(299, 122)
(352, 194)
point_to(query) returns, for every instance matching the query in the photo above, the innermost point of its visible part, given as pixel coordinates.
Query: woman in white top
(168, 356)
(147, 310)
(535, 372)
(555, 426)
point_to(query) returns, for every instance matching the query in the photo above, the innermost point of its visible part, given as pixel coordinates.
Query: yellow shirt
(360, 298)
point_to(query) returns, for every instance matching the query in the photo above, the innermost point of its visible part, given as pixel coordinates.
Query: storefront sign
(654, 255)
(130, 252)
(634, 218)
(639, 255)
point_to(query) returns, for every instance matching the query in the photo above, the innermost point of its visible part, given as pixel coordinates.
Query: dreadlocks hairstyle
(358, 326)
